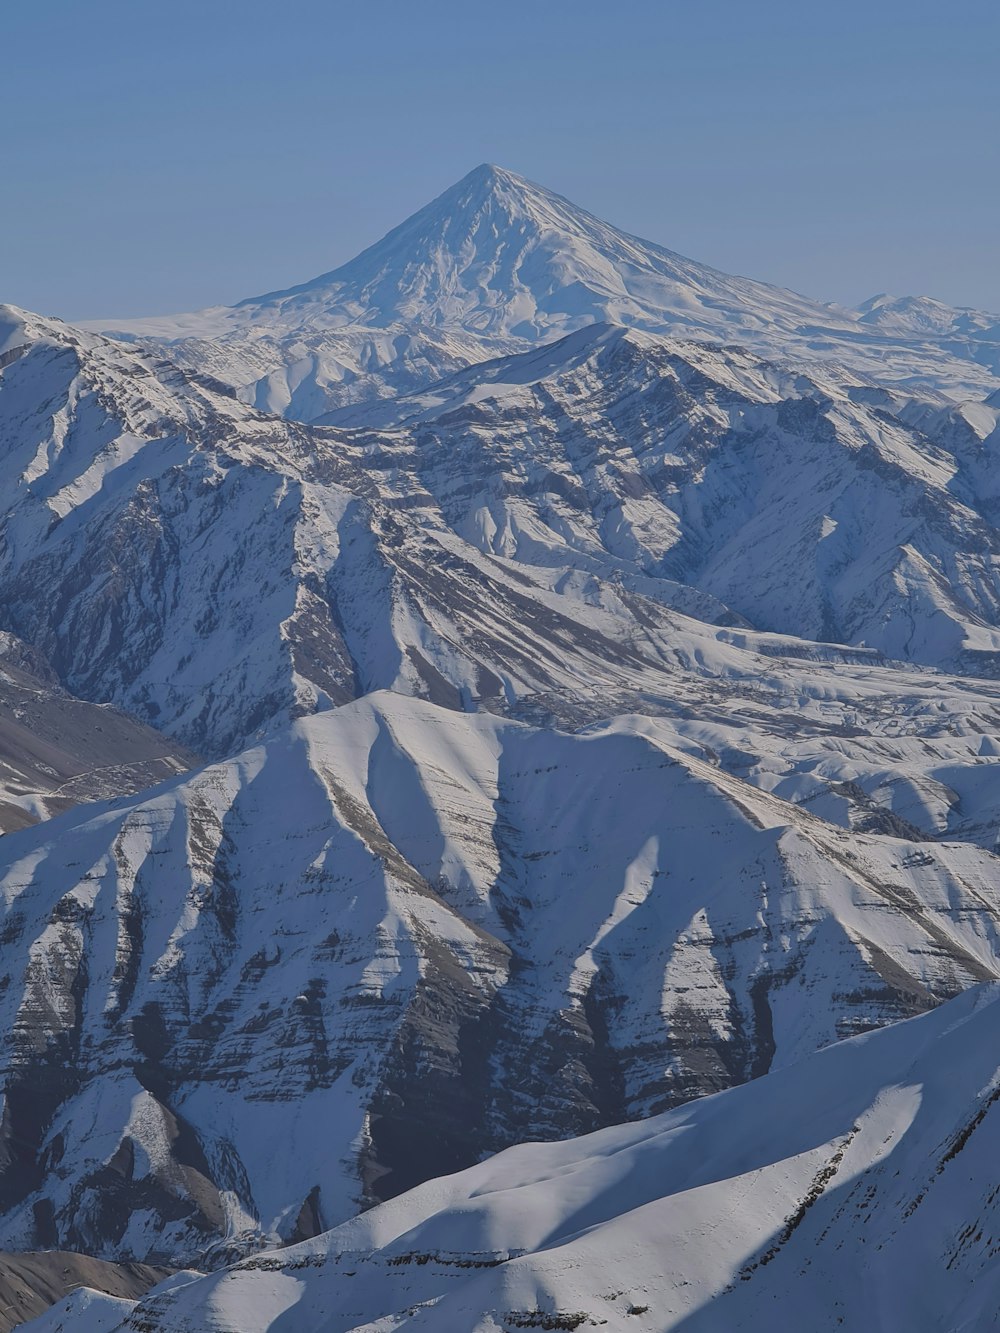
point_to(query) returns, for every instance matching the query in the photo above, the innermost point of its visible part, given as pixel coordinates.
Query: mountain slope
(496, 263)
(56, 751)
(852, 1190)
(31, 1283)
(399, 936)
(562, 524)
(800, 503)
(229, 569)
(504, 540)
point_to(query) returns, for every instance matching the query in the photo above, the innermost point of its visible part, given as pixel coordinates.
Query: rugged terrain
(595, 658)
(399, 936)
(855, 1189)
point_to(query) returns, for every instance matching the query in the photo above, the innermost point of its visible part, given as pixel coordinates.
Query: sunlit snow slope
(854, 1190)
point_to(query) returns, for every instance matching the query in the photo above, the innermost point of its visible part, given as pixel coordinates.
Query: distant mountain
(498, 256)
(854, 1190)
(915, 315)
(496, 264)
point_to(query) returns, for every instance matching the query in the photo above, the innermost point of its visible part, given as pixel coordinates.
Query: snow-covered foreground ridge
(855, 1189)
(398, 936)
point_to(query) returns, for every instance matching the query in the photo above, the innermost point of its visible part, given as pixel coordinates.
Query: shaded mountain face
(859, 1180)
(56, 751)
(496, 264)
(31, 1283)
(398, 936)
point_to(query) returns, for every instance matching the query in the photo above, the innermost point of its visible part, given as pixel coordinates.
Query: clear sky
(162, 156)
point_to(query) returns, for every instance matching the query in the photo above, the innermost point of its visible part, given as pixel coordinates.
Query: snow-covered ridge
(399, 936)
(856, 1181)
(537, 524)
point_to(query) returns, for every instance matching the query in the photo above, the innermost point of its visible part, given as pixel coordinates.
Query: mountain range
(571, 679)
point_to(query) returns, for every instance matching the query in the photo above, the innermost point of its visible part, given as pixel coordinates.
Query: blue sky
(164, 156)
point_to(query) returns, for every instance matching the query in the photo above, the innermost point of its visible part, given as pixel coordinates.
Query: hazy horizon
(212, 154)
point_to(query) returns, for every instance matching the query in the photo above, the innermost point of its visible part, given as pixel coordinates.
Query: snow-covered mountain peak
(500, 257)
(923, 316)
(497, 263)
(494, 254)
(487, 195)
